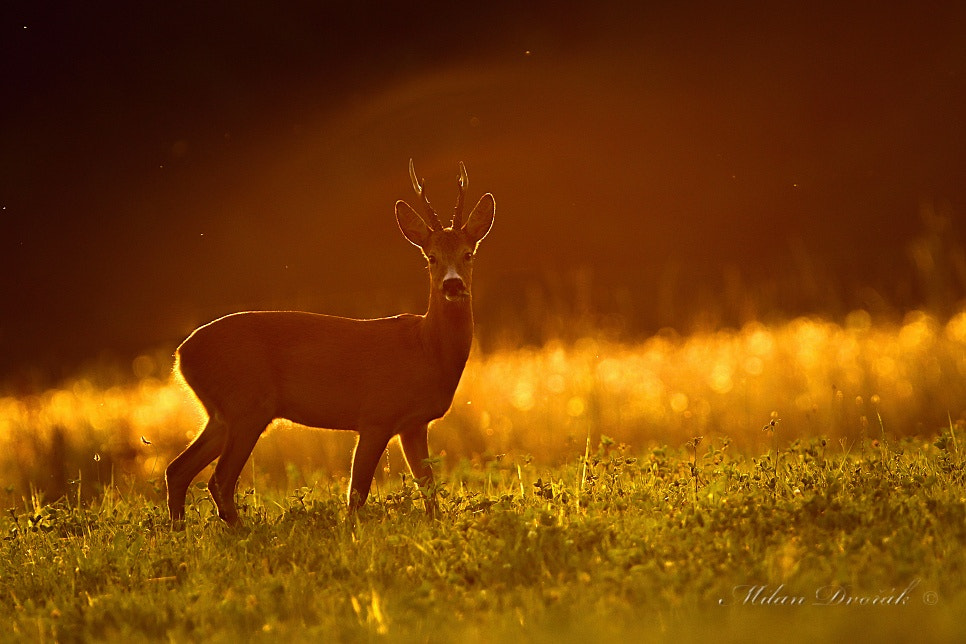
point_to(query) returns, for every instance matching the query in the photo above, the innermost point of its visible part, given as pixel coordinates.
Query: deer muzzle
(454, 289)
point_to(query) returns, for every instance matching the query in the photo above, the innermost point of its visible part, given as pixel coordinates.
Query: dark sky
(165, 163)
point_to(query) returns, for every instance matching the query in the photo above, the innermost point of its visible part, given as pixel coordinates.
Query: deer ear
(412, 225)
(481, 219)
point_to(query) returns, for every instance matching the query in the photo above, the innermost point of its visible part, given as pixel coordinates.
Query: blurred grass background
(844, 381)
(563, 360)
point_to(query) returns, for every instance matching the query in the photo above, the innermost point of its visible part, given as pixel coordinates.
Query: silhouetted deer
(380, 378)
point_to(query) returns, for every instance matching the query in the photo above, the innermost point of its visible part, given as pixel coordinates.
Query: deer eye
(431, 259)
(468, 256)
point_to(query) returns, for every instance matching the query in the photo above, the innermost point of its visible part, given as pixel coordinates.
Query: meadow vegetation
(818, 540)
(801, 480)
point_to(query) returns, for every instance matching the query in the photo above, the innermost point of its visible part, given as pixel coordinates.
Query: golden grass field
(806, 377)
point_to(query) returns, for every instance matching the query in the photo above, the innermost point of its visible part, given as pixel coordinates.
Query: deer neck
(448, 334)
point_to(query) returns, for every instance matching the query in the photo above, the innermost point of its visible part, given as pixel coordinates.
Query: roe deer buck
(380, 378)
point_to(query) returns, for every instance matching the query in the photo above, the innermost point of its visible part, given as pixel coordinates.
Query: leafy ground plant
(823, 541)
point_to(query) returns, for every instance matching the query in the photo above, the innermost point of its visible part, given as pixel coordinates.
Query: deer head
(449, 250)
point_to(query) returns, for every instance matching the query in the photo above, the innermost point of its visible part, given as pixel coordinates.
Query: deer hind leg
(415, 446)
(183, 469)
(238, 446)
(369, 449)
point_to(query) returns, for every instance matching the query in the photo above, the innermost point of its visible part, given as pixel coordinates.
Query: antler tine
(433, 219)
(464, 182)
(412, 175)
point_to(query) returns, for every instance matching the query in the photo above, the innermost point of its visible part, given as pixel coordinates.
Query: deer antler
(431, 219)
(464, 182)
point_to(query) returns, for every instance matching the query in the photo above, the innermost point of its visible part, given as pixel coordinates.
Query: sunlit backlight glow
(848, 380)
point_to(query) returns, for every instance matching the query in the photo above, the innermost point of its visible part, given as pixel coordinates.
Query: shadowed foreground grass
(817, 542)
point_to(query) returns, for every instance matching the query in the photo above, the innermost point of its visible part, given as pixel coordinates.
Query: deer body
(381, 378)
(319, 370)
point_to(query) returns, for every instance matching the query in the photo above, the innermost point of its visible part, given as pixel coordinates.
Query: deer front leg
(369, 449)
(415, 445)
